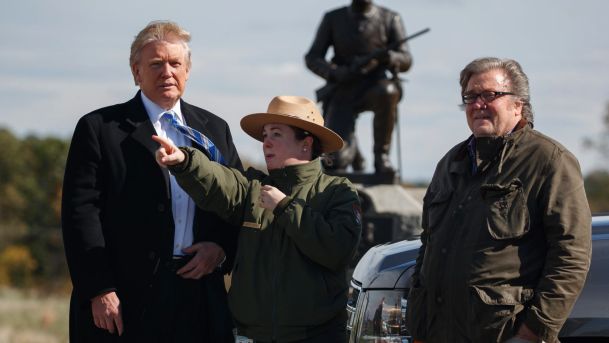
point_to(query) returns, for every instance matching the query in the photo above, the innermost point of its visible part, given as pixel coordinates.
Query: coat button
(160, 207)
(439, 300)
(443, 250)
(151, 255)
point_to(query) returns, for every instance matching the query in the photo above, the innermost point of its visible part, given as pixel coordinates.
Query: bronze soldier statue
(356, 83)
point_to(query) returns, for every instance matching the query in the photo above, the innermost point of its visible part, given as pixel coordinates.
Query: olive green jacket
(507, 245)
(288, 279)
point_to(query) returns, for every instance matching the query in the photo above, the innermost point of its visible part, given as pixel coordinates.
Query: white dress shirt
(182, 206)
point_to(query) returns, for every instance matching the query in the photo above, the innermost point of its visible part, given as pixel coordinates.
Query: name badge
(251, 225)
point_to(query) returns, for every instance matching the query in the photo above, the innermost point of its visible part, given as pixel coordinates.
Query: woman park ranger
(299, 226)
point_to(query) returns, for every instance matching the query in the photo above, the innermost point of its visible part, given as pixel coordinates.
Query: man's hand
(107, 314)
(362, 65)
(207, 256)
(168, 154)
(270, 197)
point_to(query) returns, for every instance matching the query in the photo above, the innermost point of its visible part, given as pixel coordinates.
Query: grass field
(33, 317)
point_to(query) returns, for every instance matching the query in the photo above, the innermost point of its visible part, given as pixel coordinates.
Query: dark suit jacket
(116, 211)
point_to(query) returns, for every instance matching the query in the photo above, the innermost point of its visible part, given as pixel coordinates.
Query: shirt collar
(155, 111)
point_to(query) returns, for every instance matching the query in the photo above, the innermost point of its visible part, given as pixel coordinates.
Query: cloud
(60, 60)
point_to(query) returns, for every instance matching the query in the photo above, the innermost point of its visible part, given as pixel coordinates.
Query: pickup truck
(381, 281)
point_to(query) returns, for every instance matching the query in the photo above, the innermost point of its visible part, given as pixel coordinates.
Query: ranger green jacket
(288, 280)
(506, 245)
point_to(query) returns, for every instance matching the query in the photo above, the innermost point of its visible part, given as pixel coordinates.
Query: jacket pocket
(416, 313)
(493, 311)
(438, 207)
(507, 214)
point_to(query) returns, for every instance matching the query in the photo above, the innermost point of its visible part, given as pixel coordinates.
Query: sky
(62, 59)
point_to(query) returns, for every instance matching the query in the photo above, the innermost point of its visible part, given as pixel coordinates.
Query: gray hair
(517, 77)
(159, 30)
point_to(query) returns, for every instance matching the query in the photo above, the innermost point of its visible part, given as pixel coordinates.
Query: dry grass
(31, 317)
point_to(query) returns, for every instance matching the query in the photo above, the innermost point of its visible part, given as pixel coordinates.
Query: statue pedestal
(390, 212)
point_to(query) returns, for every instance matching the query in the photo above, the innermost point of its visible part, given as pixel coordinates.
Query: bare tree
(600, 143)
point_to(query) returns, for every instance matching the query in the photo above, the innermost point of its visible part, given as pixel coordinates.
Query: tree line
(31, 174)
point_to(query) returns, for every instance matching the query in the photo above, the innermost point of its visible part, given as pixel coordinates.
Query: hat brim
(253, 124)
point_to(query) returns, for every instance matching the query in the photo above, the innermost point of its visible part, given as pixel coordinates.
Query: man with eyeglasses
(506, 240)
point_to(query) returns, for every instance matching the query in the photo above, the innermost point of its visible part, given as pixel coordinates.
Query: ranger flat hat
(296, 111)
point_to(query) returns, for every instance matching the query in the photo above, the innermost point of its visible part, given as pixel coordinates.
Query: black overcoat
(117, 216)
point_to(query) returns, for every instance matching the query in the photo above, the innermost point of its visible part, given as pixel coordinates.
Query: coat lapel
(142, 133)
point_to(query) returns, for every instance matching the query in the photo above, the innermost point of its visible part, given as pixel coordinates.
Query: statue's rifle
(358, 67)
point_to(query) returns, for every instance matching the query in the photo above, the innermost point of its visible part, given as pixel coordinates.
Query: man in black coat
(354, 32)
(146, 264)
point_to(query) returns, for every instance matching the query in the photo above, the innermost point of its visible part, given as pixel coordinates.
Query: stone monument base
(390, 213)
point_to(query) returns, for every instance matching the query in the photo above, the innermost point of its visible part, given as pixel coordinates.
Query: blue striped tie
(195, 136)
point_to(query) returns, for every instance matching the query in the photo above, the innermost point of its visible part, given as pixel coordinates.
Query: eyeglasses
(486, 96)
